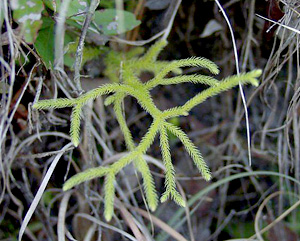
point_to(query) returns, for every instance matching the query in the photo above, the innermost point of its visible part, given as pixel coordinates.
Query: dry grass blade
(175, 221)
(240, 86)
(161, 224)
(187, 212)
(128, 218)
(258, 231)
(62, 215)
(41, 190)
(280, 24)
(105, 225)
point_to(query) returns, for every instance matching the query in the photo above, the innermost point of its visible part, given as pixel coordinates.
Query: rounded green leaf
(112, 21)
(44, 43)
(28, 14)
(75, 7)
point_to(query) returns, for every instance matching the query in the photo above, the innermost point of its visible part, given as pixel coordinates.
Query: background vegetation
(42, 57)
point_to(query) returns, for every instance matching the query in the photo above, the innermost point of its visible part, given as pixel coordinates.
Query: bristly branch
(170, 183)
(139, 162)
(190, 62)
(148, 182)
(153, 52)
(109, 191)
(85, 176)
(191, 149)
(226, 84)
(129, 66)
(75, 124)
(54, 104)
(195, 79)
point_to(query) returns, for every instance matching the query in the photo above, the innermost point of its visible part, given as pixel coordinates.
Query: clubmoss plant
(124, 73)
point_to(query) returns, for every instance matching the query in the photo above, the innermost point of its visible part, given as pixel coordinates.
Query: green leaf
(76, 7)
(112, 21)
(44, 43)
(107, 3)
(50, 4)
(28, 14)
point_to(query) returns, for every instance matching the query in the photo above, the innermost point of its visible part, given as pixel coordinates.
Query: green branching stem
(129, 66)
(195, 79)
(145, 100)
(152, 53)
(228, 83)
(122, 122)
(148, 138)
(195, 62)
(139, 162)
(139, 150)
(134, 52)
(83, 99)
